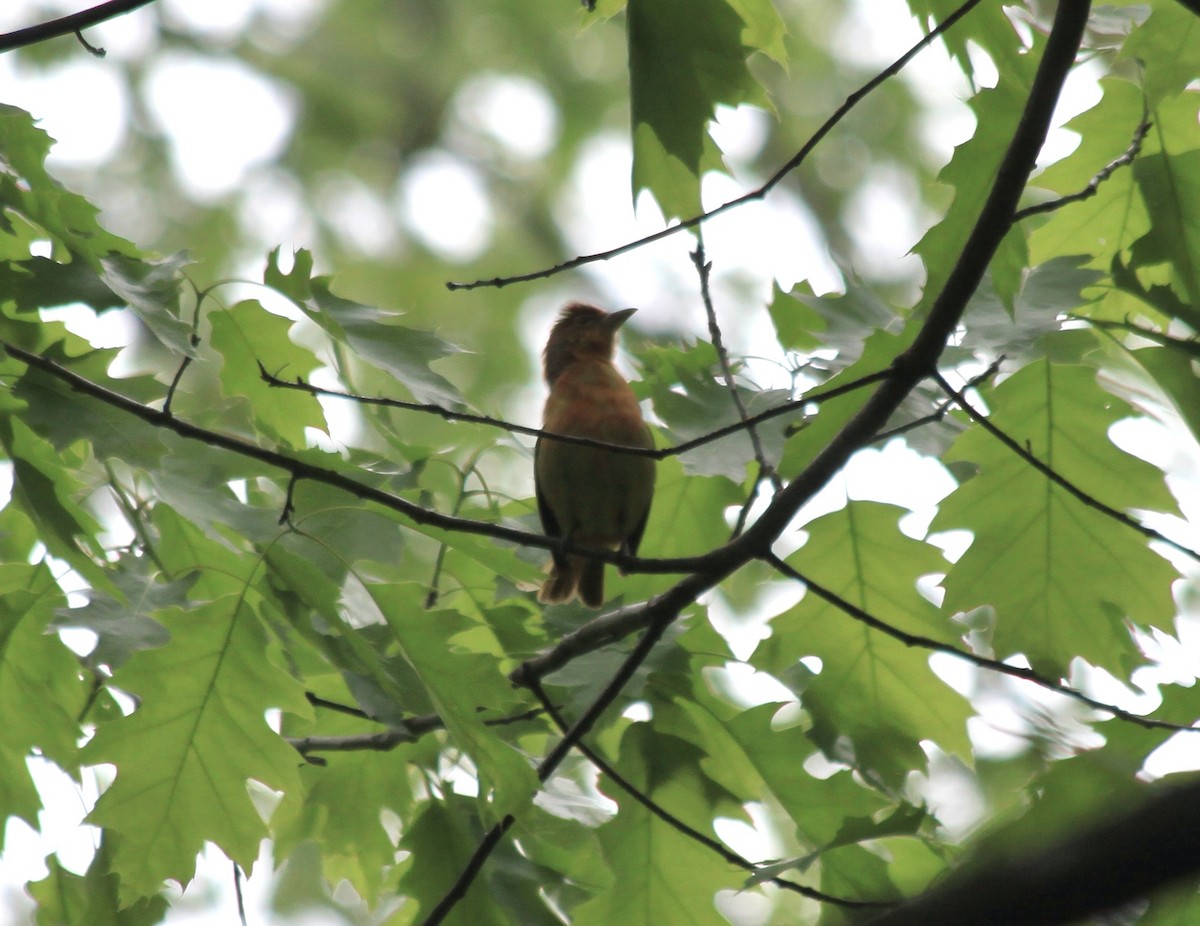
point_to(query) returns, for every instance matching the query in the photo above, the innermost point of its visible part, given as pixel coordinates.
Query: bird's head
(581, 332)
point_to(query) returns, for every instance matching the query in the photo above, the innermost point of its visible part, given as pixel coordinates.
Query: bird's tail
(571, 575)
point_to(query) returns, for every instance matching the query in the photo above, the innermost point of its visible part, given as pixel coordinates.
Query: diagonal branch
(690, 832)
(1057, 478)
(1093, 185)
(1102, 866)
(982, 662)
(67, 25)
(754, 195)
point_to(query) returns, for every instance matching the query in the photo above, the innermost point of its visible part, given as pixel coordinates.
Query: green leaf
(405, 353)
(41, 694)
(151, 288)
(45, 486)
(184, 757)
(663, 875)
(459, 683)
(441, 838)
(1167, 49)
(67, 899)
(1170, 186)
(247, 335)
(1063, 579)
(1107, 222)
(124, 625)
(40, 283)
(28, 190)
(971, 172)
(685, 57)
(874, 699)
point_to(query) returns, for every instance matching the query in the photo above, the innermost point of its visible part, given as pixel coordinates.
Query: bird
(587, 495)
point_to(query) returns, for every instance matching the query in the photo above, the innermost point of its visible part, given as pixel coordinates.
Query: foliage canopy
(920, 557)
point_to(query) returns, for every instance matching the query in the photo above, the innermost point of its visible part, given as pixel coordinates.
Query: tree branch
(814, 397)
(982, 662)
(754, 195)
(690, 832)
(766, 470)
(1098, 868)
(68, 25)
(1093, 185)
(1058, 479)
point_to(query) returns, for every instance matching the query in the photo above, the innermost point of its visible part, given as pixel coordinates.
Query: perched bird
(589, 496)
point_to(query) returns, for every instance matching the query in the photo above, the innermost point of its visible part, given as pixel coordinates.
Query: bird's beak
(616, 319)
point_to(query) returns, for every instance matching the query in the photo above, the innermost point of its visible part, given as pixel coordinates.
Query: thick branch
(1098, 868)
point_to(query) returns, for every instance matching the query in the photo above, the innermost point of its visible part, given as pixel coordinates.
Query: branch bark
(69, 25)
(1104, 866)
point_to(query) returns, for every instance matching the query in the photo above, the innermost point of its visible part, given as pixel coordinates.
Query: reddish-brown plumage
(587, 495)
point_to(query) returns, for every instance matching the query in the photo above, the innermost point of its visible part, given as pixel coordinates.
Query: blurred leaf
(685, 57)
(405, 353)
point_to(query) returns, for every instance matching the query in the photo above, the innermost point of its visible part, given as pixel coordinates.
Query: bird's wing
(549, 523)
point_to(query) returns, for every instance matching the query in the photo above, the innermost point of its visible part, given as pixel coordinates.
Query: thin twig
(1189, 346)
(754, 195)
(659, 453)
(766, 471)
(690, 832)
(237, 890)
(983, 662)
(941, 409)
(1093, 185)
(411, 730)
(94, 50)
(69, 25)
(1057, 478)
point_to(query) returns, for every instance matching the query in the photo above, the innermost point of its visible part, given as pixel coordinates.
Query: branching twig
(299, 469)
(1134, 149)
(658, 453)
(68, 25)
(1057, 478)
(982, 662)
(1189, 346)
(413, 729)
(766, 471)
(690, 832)
(754, 195)
(941, 409)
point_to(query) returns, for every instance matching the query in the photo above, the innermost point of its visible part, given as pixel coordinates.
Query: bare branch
(807, 401)
(68, 25)
(754, 195)
(766, 471)
(1093, 185)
